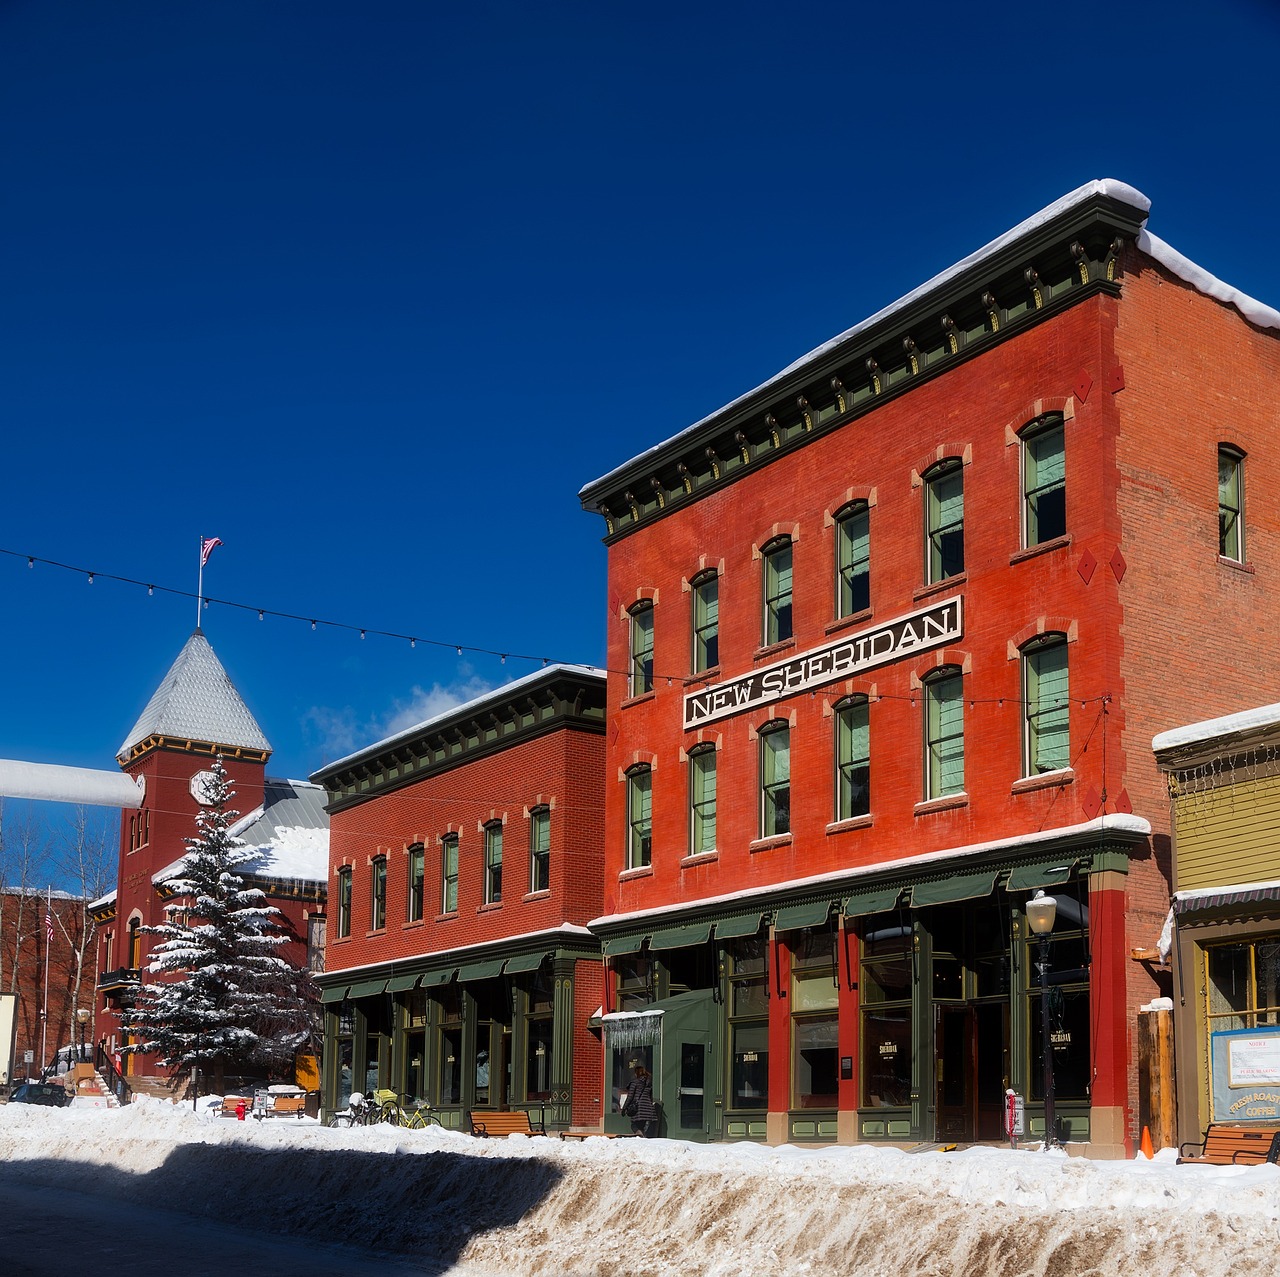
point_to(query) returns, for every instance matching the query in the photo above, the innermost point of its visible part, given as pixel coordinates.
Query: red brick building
(889, 637)
(195, 714)
(464, 865)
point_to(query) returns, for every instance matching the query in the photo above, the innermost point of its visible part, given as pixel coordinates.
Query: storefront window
(748, 1024)
(1068, 1001)
(814, 1022)
(415, 1047)
(1244, 984)
(622, 1061)
(887, 978)
(450, 1039)
(538, 1038)
(635, 982)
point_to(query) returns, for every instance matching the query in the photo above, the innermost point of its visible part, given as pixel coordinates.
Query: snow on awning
(1214, 898)
(632, 1028)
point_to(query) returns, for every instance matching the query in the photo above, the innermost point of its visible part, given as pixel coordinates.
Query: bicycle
(361, 1110)
(395, 1111)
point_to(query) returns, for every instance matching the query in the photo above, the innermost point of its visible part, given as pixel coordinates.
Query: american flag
(48, 926)
(207, 547)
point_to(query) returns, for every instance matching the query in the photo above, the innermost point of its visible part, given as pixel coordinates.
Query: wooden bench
(1225, 1144)
(487, 1124)
(288, 1106)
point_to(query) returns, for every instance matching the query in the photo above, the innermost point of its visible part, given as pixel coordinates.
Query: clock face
(202, 788)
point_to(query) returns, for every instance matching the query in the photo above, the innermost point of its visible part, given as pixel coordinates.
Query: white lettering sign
(1253, 1061)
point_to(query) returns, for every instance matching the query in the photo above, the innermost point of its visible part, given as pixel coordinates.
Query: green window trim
(944, 514)
(1044, 482)
(778, 620)
(853, 559)
(641, 648)
(944, 733)
(702, 800)
(1047, 705)
(1231, 504)
(706, 622)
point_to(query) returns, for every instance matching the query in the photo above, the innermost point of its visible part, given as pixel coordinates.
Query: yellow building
(1224, 932)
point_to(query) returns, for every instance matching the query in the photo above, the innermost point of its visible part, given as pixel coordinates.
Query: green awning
(480, 970)
(873, 900)
(367, 988)
(400, 983)
(335, 993)
(1049, 873)
(679, 937)
(947, 891)
(811, 913)
(525, 962)
(439, 977)
(739, 925)
(625, 944)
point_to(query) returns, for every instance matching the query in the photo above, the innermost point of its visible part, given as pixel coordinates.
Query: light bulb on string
(90, 578)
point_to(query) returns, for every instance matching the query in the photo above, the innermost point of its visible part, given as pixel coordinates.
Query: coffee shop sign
(864, 650)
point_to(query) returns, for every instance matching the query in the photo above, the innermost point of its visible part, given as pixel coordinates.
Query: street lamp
(83, 1016)
(1041, 911)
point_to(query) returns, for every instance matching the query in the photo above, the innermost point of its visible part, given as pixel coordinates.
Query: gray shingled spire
(197, 701)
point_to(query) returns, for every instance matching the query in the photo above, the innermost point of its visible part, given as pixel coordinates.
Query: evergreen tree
(223, 999)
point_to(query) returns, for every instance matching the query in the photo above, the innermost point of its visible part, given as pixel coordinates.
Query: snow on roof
(848, 879)
(52, 782)
(466, 707)
(197, 700)
(1185, 269)
(1202, 893)
(1211, 728)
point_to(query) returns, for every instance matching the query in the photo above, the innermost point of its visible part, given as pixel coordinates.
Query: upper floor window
(853, 559)
(378, 893)
(1046, 739)
(493, 862)
(344, 902)
(641, 648)
(853, 758)
(944, 514)
(639, 817)
(540, 849)
(417, 872)
(449, 874)
(944, 733)
(706, 622)
(1231, 504)
(702, 800)
(775, 779)
(1044, 482)
(777, 590)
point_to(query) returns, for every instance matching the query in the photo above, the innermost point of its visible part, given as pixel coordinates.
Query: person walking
(638, 1104)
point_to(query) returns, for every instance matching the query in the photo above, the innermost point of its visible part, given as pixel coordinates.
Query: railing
(116, 1080)
(119, 978)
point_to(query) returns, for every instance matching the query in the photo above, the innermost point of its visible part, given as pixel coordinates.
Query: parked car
(51, 1093)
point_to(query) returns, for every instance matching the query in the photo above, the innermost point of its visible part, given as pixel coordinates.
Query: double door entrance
(971, 1045)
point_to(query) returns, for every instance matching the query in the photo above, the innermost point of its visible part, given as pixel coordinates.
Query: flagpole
(200, 586)
(48, 944)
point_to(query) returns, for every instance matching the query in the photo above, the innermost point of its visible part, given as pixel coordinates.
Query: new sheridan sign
(915, 632)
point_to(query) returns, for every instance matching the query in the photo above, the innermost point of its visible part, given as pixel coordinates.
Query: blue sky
(370, 291)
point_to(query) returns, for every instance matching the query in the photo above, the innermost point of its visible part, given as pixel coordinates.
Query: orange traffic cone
(1147, 1151)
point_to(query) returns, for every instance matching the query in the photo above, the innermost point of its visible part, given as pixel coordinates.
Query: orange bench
(1225, 1144)
(517, 1123)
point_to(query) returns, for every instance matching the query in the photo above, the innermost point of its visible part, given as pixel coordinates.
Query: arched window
(1044, 482)
(493, 862)
(417, 870)
(775, 779)
(639, 817)
(706, 622)
(642, 648)
(1231, 504)
(944, 733)
(853, 758)
(853, 559)
(777, 590)
(702, 800)
(1046, 705)
(944, 519)
(449, 874)
(540, 849)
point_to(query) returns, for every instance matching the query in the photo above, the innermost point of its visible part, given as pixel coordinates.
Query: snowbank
(602, 1207)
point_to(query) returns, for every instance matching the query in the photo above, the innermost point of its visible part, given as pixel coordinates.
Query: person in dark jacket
(638, 1104)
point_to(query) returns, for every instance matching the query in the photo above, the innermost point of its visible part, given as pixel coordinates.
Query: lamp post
(83, 1016)
(1041, 911)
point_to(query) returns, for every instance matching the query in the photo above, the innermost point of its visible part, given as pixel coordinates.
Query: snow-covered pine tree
(222, 999)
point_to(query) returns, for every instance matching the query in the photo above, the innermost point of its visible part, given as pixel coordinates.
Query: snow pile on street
(599, 1207)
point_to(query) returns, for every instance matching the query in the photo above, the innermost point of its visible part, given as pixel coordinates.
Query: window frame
(1039, 432)
(640, 639)
(705, 621)
(849, 595)
(936, 739)
(378, 894)
(539, 849)
(416, 871)
(493, 862)
(344, 903)
(1231, 544)
(449, 857)
(775, 791)
(937, 550)
(1036, 740)
(639, 849)
(846, 762)
(702, 807)
(778, 612)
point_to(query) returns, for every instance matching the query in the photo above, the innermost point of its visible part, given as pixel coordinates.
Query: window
(449, 874)
(1231, 504)
(538, 1036)
(344, 902)
(853, 559)
(1044, 483)
(378, 893)
(639, 818)
(641, 649)
(540, 849)
(493, 863)
(702, 800)
(1069, 1018)
(944, 504)
(777, 591)
(944, 734)
(706, 623)
(1243, 983)
(885, 985)
(417, 873)
(1047, 705)
(749, 1024)
(814, 1022)
(853, 758)
(775, 779)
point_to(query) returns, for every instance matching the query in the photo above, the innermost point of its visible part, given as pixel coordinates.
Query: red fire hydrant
(239, 1110)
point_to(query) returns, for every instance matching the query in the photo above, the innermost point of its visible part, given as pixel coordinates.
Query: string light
(151, 589)
(90, 578)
